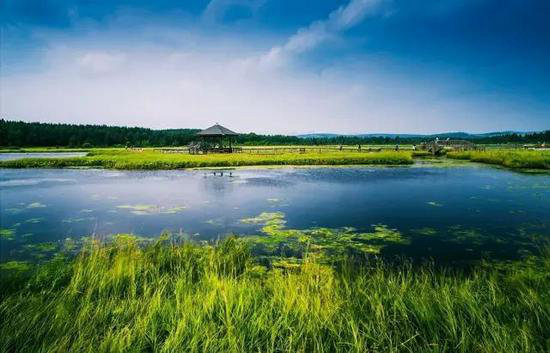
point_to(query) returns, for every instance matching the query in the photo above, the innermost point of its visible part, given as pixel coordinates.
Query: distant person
(340, 147)
(414, 147)
(359, 147)
(397, 147)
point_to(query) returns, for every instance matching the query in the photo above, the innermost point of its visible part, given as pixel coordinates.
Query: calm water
(457, 213)
(18, 155)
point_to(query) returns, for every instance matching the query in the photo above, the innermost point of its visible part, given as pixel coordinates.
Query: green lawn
(188, 298)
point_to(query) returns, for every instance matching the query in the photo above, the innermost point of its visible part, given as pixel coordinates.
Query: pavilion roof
(217, 130)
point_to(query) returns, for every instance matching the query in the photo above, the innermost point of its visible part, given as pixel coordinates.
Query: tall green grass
(149, 159)
(187, 298)
(507, 158)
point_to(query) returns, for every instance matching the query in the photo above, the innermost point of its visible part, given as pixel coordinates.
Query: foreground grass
(507, 158)
(150, 159)
(186, 298)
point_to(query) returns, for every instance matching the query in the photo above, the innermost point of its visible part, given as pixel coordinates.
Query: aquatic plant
(7, 233)
(507, 158)
(36, 205)
(325, 242)
(150, 159)
(19, 266)
(35, 220)
(120, 297)
(142, 209)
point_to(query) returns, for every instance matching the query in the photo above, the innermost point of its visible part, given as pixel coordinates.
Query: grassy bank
(186, 298)
(507, 158)
(150, 159)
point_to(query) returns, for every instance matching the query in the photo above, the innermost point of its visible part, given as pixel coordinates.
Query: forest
(25, 134)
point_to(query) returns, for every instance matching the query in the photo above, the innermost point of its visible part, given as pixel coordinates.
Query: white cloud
(101, 63)
(308, 38)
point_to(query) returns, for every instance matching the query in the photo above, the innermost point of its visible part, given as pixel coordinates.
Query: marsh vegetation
(151, 159)
(170, 297)
(507, 158)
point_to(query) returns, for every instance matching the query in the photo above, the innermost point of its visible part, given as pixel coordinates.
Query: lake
(454, 214)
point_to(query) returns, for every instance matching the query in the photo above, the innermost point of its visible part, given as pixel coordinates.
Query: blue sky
(354, 66)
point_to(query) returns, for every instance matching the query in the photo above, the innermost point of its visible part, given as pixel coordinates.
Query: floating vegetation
(264, 218)
(426, 231)
(324, 241)
(218, 222)
(42, 247)
(142, 209)
(19, 266)
(473, 236)
(139, 207)
(435, 204)
(14, 210)
(86, 210)
(69, 244)
(36, 205)
(35, 220)
(176, 209)
(7, 233)
(78, 219)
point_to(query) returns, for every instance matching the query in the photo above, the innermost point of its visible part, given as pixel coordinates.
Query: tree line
(24, 134)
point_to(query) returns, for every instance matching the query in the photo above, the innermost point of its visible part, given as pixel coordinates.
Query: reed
(164, 297)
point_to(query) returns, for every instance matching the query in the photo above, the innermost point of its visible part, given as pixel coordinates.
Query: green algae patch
(426, 231)
(78, 219)
(217, 222)
(143, 209)
(175, 209)
(15, 210)
(36, 205)
(7, 233)
(435, 204)
(264, 218)
(42, 247)
(35, 220)
(17, 266)
(41, 251)
(323, 241)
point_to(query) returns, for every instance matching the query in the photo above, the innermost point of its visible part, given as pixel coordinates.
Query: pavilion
(213, 139)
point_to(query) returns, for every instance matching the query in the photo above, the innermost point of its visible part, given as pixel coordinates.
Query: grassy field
(151, 159)
(187, 298)
(507, 158)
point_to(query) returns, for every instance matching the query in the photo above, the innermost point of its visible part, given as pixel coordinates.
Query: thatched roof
(217, 130)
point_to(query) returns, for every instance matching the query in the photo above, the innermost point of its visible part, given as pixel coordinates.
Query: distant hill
(452, 135)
